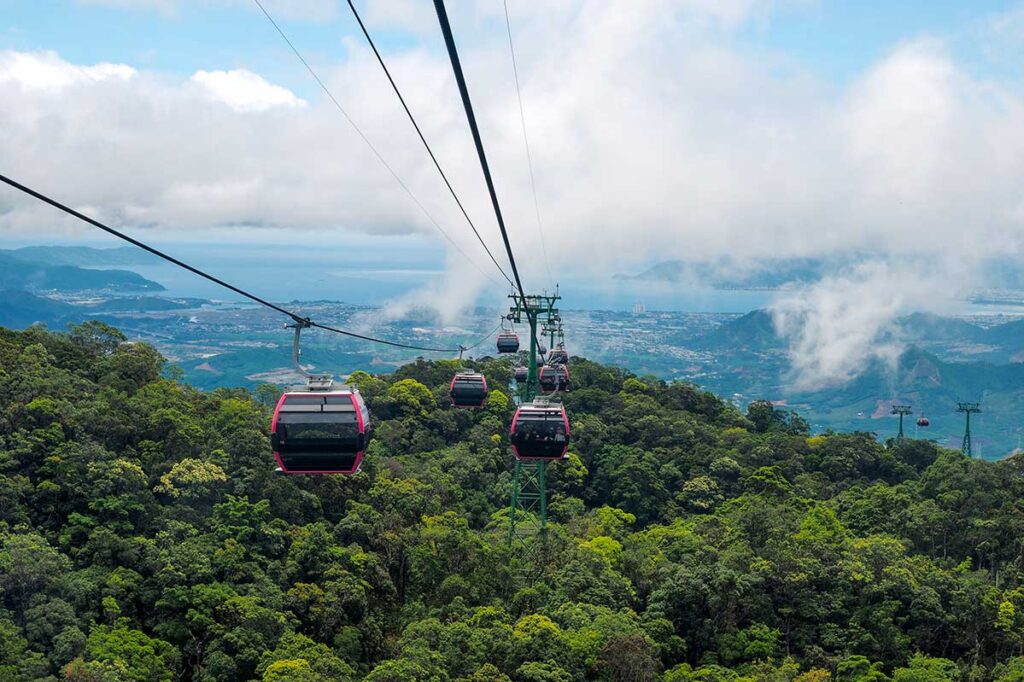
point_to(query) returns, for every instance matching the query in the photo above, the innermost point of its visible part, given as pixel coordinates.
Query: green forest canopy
(144, 536)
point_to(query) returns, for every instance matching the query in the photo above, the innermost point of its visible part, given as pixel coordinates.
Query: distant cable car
(555, 378)
(558, 356)
(320, 431)
(508, 342)
(923, 421)
(468, 389)
(541, 348)
(520, 374)
(540, 431)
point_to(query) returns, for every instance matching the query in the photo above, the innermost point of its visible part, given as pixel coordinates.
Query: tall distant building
(639, 309)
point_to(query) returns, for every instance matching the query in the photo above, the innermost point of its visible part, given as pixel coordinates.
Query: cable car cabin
(923, 421)
(468, 389)
(508, 342)
(540, 431)
(320, 432)
(520, 374)
(558, 356)
(554, 378)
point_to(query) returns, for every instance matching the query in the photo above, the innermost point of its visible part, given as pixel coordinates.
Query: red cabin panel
(540, 432)
(320, 432)
(468, 390)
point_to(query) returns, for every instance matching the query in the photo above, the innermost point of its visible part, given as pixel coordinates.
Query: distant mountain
(923, 375)
(1009, 335)
(753, 331)
(729, 274)
(20, 309)
(932, 387)
(18, 273)
(772, 273)
(82, 256)
(927, 327)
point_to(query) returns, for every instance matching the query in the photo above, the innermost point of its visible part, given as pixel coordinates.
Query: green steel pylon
(968, 409)
(528, 510)
(901, 410)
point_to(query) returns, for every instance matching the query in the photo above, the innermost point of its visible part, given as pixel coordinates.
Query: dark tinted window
(540, 437)
(293, 427)
(304, 400)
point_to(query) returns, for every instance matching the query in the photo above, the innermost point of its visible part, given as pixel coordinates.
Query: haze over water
(377, 276)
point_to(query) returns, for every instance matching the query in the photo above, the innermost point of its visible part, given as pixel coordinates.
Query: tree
(136, 656)
(192, 480)
(859, 669)
(292, 670)
(299, 657)
(28, 564)
(542, 671)
(630, 658)
(409, 397)
(924, 669)
(17, 661)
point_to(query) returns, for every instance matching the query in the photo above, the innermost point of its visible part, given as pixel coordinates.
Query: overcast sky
(694, 129)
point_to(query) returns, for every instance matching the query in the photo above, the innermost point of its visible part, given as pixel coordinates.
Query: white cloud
(244, 91)
(47, 71)
(839, 325)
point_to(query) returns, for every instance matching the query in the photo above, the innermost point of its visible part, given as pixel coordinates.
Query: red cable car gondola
(540, 431)
(320, 431)
(555, 378)
(508, 342)
(923, 421)
(468, 389)
(520, 374)
(558, 356)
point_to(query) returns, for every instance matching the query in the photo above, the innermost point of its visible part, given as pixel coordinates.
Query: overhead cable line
(423, 139)
(298, 319)
(467, 104)
(526, 142)
(493, 331)
(373, 148)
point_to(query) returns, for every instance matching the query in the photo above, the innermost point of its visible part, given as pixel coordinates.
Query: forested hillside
(144, 536)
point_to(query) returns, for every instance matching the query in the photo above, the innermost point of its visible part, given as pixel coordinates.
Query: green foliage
(191, 479)
(134, 655)
(143, 536)
(923, 669)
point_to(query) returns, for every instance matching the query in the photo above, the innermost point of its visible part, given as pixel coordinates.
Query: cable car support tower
(968, 409)
(902, 411)
(528, 511)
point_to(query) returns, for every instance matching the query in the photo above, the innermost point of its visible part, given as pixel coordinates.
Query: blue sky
(840, 39)
(835, 40)
(192, 36)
